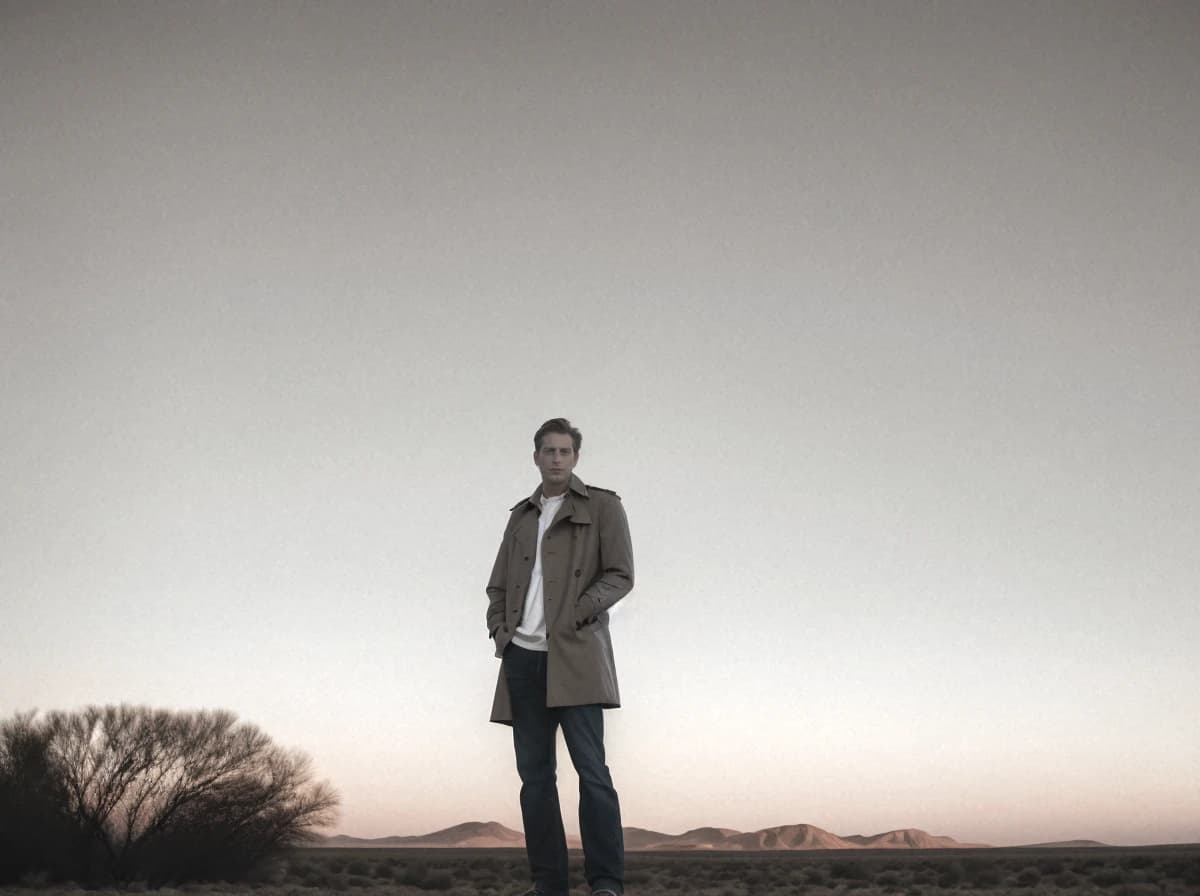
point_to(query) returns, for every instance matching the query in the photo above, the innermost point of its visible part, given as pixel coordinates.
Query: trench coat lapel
(575, 508)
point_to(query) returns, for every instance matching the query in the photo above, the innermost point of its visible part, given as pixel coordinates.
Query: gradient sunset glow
(881, 318)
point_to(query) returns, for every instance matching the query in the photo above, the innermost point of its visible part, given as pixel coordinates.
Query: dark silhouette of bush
(1064, 880)
(1028, 877)
(438, 880)
(1050, 866)
(985, 876)
(1138, 862)
(1106, 876)
(849, 869)
(414, 874)
(117, 794)
(26, 799)
(889, 879)
(925, 877)
(1139, 889)
(756, 879)
(39, 838)
(951, 875)
(1190, 873)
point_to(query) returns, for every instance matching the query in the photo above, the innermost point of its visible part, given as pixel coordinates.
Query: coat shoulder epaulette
(518, 504)
(607, 491)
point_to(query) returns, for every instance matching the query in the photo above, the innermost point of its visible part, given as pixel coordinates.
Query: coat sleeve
(616, 564)
(497, 586)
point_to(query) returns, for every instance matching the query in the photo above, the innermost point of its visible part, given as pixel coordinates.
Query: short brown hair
(561, 425)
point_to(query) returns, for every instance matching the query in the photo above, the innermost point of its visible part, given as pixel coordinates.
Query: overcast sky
(881, 317)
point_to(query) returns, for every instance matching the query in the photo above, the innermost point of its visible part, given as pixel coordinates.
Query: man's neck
(548, 493)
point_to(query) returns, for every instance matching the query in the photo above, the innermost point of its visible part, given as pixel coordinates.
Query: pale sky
(881, 317)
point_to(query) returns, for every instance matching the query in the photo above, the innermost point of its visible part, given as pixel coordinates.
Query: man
(564, 560)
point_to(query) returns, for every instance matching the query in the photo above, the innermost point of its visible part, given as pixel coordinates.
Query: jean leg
(534, 733)
(599, 808)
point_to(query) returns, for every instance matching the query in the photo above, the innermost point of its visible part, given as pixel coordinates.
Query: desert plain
(1172, 870)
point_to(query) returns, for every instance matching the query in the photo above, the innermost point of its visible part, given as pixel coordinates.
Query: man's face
(556, 459)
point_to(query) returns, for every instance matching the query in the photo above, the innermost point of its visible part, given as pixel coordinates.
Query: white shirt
(531, 633)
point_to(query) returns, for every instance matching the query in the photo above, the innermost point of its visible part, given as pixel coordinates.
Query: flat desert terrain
(1027, 871)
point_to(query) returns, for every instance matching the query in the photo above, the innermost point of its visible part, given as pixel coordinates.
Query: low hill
(640, 838)
(1064, 844)
(788, 836)
(472, 834)
(909, 838)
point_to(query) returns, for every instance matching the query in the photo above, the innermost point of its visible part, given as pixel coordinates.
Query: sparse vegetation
(1160, 871)
(137, 797)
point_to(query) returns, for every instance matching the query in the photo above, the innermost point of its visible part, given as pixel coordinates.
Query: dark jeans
(534, 733)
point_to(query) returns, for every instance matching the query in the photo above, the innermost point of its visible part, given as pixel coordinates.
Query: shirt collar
(576, 485)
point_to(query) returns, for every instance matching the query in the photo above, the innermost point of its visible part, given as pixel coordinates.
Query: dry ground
(1128, 871)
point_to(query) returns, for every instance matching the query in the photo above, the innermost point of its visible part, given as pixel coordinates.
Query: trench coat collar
(572, 507)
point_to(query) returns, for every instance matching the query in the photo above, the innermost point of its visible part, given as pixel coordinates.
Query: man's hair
(561, 425)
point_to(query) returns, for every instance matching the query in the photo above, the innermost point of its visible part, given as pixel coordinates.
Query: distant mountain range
(490, 834)
(1065, 844)
(475, 834)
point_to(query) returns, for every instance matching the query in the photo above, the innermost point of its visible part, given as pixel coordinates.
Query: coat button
(578, 573)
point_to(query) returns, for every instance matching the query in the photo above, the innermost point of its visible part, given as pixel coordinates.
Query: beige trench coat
(587, 566)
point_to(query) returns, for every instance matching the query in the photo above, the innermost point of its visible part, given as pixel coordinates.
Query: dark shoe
(605, 892)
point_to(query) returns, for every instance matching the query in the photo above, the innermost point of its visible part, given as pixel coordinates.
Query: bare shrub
(1051, 866)
(816, 875)
(849, 869)
(951, 875)
(1028, 877)
(926, 877)
(1067, 879)
(1190, 873)
(1137, 862)
(39, 838)
(1139, 889)
(888, 878)
(438, 880)
(167, 796)
(986, 877)
(415, 874)
(1106, 876)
